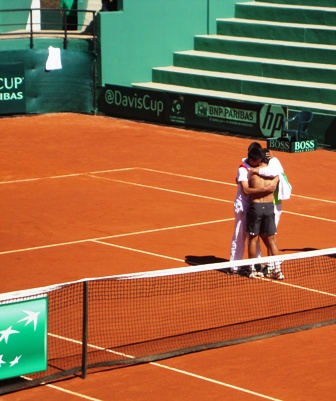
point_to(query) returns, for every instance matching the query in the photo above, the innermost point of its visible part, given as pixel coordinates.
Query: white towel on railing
(54, 59)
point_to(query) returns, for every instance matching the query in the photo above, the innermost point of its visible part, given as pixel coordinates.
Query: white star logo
(1, 361)
(6, 333)
(31, 317)
(15, 361)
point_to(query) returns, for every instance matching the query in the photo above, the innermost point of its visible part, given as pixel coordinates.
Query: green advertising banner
(12, 89)
(193, 110)
(23, 337)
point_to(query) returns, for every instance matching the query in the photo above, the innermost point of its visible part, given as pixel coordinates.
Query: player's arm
(263, 171)
(270, 171)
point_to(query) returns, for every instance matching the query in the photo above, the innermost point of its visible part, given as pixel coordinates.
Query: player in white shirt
(242, 201)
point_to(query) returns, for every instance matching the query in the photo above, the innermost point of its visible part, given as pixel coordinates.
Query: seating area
(296, 128)
(279, 52)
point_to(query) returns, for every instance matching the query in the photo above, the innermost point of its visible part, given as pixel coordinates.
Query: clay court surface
(90, 196)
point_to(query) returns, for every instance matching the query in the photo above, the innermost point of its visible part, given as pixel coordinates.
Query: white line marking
(144, 169)
(280, 282)
(205, 197)
(215, 381)
(52, 177)
(86, 397)
(159, 365)
(227, 183)
(162, 189)
(138, 250)
(190, 176)
(309, 216)
(115, 236)
(314, 199)
(181, 270)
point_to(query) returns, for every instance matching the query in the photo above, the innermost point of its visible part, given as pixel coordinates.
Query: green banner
(284, 145)
(23, 337)
(12, 88)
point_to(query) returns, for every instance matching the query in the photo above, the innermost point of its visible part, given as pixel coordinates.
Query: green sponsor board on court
(282, 145)
(12, 88)
(23, 337)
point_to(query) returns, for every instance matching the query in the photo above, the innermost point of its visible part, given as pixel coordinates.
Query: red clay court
(90, 196)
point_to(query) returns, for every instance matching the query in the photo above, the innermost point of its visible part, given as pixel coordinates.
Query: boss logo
(292, 147)
(279, 145)
(305, 146)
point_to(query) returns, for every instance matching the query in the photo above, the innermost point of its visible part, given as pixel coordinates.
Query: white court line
(227, 183)
(182, 260)
(215, 381)
(162, 189)
(115, 236)
(86, 397)
(146, 169)
(160, 365)
(309, 216)
(207, 197)
(53, 177)
(188, 176)
(63, 390)
(138, 250)
(314, 199)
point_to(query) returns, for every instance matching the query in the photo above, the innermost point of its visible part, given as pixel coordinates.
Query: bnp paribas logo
(23, 337)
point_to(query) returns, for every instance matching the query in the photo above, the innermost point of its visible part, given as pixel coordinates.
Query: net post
(85, 328)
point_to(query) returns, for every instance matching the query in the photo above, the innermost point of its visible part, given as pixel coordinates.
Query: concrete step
(263, 67)
(294, 104)
(305, 33)
(246, 84)
(286, 13)
(320, 3)
(266, 48)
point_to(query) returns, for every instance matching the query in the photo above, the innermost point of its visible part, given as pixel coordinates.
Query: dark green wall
(19, 18)
(146, 33)
(68, 89)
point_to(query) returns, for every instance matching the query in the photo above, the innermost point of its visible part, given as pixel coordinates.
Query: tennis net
(143, 317)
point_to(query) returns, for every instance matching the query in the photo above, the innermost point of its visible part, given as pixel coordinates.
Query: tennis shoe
(275, 275)
(253, 273)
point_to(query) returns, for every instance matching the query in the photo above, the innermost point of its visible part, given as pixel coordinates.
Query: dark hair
(255, 154)
(254, 145)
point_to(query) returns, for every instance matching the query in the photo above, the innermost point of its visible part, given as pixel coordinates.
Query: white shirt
(242, 200)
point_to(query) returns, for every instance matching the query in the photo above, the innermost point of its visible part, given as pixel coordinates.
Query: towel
(54, 59)
(285, 188)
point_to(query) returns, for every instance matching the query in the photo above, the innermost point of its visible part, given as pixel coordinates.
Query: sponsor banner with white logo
(193, 111)
(292, 147)
(12, 89)
(126, 102)
(23, 337)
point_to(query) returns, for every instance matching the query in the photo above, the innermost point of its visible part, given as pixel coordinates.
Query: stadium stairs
(281, 52)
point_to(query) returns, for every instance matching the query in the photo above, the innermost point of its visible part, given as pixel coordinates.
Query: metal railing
(41, 22)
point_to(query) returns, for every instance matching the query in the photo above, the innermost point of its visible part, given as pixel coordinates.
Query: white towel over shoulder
(285, 188)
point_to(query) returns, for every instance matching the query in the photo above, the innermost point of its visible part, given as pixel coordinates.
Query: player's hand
(269, 155)
(269, 188)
